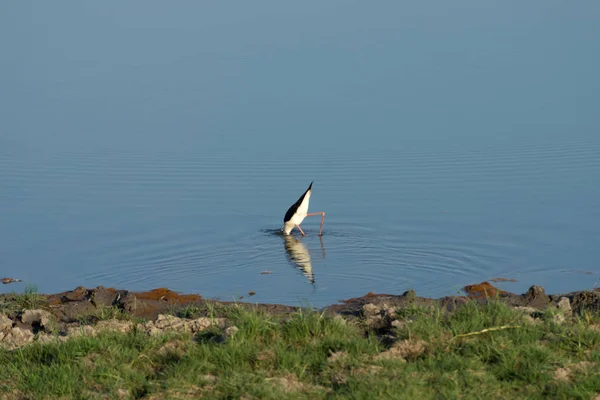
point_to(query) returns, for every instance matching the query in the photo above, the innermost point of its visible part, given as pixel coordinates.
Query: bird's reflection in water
(300, 256)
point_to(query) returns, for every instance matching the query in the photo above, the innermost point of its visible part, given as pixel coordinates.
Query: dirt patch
(403, 350)
(338, 356)
(175, 347)
(369, 370)
(565, 374)
(291, 384)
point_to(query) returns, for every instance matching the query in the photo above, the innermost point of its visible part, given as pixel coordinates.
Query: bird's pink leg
(322, 214)
(300, 229)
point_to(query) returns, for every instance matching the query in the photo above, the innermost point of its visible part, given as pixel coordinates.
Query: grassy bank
(428, 354)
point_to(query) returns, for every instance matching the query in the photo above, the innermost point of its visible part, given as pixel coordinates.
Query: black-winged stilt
(298, 211)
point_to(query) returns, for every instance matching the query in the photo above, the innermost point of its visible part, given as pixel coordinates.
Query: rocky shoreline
(82, 311)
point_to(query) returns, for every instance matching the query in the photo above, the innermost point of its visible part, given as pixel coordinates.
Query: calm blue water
(147, 144)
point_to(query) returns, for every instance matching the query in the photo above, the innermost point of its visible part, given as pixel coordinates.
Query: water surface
(147, 145)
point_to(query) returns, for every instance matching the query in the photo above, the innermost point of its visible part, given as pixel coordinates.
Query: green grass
(30, 299)
(313, 356)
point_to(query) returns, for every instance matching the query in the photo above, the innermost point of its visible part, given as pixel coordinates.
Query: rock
(390, 312)
(376, 322)
(586, 301)
(141, 307)
(564, 311)
(46, 338)
(526, 310)
(169, 321)
(564, 305)
(230, 331)
(483, 290)
(37, 318)
(75, 331)
(114, 325)
(172, 323)
(201, 324)
(5, 323)
(536, 297)
(102, 297)
(410, 294)
(370, 309)
(71, 311)
(398, 324)
(17, 337)
(79, 294)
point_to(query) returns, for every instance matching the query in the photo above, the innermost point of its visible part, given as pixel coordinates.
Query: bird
(298, 211)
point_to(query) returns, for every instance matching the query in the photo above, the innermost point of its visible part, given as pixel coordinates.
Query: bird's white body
(298, 211)
(298, 216)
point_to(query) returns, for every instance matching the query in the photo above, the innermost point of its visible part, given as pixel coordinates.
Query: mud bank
(87, 311)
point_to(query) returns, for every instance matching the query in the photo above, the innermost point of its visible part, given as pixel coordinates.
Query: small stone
(114, 325)
(390, 312)
(232, 330)
(79, 294)
(564, 305)
(46, 338)
(75, 331)
(536, 297)
(371, 309)
(5, 323)
(376, 322)
(103, 297)
(17, 337)
(203, 323)
(558, 319)
(122, 394)
(562, 374)
(398, 324)
(39, 318)
(129, 302)
(526, 310)
(172, 323)
(72, 310)
(169, 321)
(536, 291)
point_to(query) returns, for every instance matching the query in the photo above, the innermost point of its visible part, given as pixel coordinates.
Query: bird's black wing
(292, 210)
